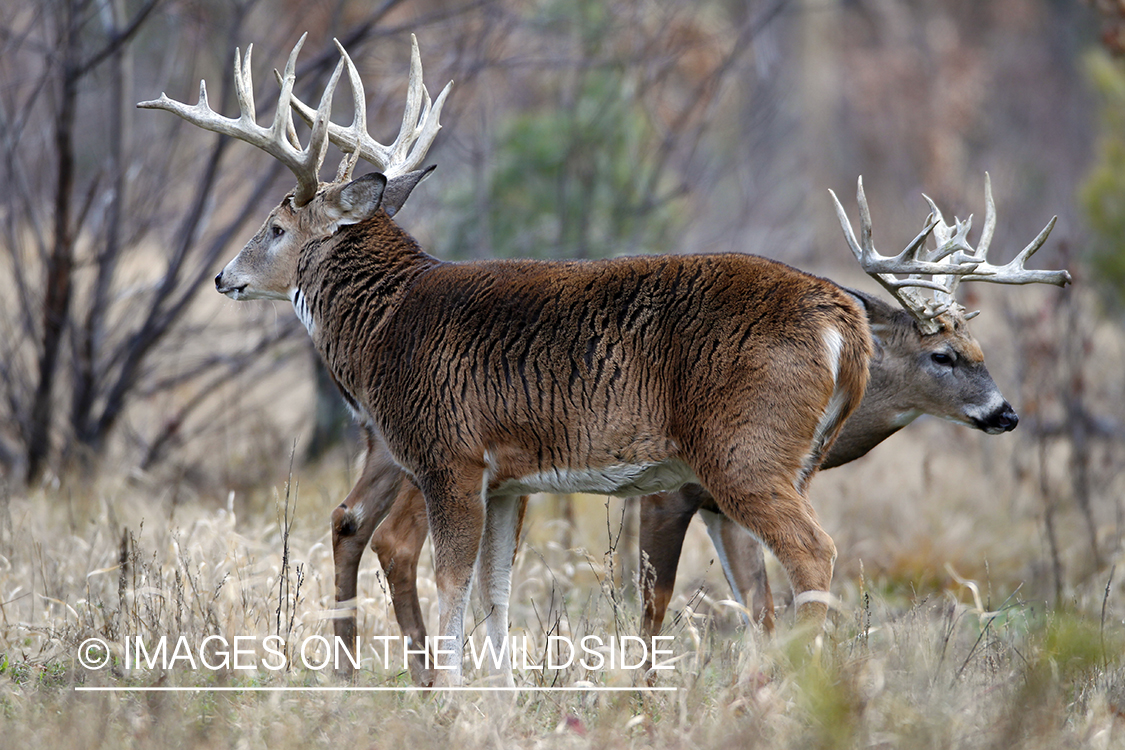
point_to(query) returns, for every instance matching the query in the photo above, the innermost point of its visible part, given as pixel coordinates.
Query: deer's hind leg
(758, 474)
(781, 517)
(744, 566)
(758, 462)
(665, 518)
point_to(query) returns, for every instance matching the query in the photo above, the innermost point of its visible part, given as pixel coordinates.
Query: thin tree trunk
(60, 262)
(91, 337)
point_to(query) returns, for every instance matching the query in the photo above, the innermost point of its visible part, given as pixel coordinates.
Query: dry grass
(913, 658)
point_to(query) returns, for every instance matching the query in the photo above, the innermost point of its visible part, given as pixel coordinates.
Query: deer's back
(598, 361)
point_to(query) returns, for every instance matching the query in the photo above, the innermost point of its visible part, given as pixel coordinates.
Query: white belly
(621, 480)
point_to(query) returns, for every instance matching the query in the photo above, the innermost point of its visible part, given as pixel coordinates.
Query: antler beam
(279, 139)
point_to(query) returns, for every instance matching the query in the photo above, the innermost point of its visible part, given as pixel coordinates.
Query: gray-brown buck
(913, 372)
(910, 374)
(490, 380)
(925, 361)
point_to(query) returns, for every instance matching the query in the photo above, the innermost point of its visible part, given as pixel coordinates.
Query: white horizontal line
(372, 689)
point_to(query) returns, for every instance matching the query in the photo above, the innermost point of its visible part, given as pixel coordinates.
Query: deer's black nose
(1007, 419)
(1003, 419)
(219, 280)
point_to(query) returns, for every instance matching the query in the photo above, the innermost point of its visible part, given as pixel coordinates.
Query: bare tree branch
(119, 38)
(233, 366)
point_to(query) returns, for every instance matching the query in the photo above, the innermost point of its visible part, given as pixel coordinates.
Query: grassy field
(918, 654)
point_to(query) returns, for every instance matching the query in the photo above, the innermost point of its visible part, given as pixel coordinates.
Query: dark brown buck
(912, 372)
(494, 379)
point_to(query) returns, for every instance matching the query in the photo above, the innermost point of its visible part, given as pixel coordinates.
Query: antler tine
(864, 219)
(358, 129)
(1012, 272)
(420, 121)
(244, 84)
(318, 139)
(846, 225)
(310, 159)
(418, 130)
(287, 83)
(278, 140)
(949, 239)
(989, 219)
(346, 138)
(986, 232)
(415, 94)
(953, 251)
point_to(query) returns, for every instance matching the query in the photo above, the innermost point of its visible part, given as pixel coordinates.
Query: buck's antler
(952, 261)
(419, 123)
(279, 139)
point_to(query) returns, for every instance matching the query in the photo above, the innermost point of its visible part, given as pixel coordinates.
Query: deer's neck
(347, 288)
(881, 414)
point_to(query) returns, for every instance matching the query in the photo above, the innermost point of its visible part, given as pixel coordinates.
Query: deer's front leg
(497, 553)
(456, 511)
(398, 543)
(665, 518)
(744, 566)
(353, 522)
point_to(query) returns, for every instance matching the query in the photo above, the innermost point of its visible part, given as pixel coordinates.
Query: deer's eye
(277, 231)
(941, 358)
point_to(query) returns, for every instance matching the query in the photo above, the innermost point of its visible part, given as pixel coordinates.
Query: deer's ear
(356, 201)
(399, 189)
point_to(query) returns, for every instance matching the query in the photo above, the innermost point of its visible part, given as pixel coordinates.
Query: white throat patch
(301, 307)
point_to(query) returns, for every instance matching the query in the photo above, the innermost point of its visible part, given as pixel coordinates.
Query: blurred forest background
(577, 129)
